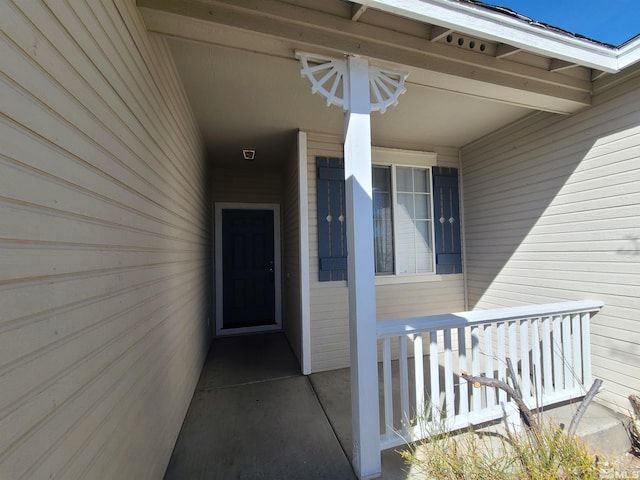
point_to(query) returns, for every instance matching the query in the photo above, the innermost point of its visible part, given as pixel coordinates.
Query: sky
(608, 21)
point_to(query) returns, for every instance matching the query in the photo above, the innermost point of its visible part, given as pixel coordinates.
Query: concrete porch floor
(254, 416)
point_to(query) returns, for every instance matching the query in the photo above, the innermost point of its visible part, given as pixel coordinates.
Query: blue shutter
(332, 228)
(446, 206)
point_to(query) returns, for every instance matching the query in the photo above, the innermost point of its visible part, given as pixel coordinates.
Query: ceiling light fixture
(249, 154)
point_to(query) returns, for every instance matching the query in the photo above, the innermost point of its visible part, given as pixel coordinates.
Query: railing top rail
(406, 326)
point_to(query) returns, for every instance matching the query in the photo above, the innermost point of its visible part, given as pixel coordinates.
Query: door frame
(219, 285)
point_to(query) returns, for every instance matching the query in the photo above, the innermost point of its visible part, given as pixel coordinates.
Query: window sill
(400, 279)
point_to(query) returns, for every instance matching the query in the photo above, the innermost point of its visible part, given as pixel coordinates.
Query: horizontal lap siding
(247, 185)
(103, 244)
(329, 300)
(552, 214)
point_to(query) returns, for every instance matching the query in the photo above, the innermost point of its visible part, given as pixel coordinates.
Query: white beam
(558, 65)
(439, 32)
(357, 11)
(503, 50)
(361, 274)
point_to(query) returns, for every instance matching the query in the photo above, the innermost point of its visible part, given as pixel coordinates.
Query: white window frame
(390, 157)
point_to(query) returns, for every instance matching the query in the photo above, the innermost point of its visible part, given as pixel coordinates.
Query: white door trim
(305, 290)
(275, 208)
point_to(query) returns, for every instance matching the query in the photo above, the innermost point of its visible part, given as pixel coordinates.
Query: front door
(249, 269)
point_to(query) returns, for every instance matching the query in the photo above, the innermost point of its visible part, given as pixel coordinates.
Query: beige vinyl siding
(103, 244)
(247, 185)
(292, 307)
(551, 208)
(329, 300)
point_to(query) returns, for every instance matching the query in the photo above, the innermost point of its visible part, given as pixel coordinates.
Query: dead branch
(634, 424)
(573, 426)
(635, 404)
(477, 382)
(514, 377)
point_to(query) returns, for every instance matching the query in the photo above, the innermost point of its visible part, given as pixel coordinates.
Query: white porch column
(365, 88)
(361, 273)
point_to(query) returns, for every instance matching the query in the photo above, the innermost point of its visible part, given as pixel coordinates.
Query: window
(416, 217)
(402, 220)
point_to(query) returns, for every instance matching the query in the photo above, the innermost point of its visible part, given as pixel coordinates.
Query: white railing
(423, 392)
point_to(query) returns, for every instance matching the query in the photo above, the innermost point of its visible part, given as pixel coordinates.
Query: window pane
(382, 220)
(409, 244)
(404, 179)
(405, 237)
(424, 255)
(413, 221)
(381, 178)
(405, 203)
(422, 208)
(420, 183)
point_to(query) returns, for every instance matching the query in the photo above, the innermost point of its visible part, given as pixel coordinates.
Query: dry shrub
(471, 455)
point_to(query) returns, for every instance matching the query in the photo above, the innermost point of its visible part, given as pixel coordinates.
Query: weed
(550, 455)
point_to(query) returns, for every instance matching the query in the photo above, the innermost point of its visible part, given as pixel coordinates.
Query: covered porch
(254, 415)
(249, 72)
(129, 128)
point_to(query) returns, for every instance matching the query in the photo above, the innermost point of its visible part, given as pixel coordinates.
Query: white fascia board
(483, 23)
(629, 53)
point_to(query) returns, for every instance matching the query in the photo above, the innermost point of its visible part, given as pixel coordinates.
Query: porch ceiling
(236, 61)
(247, 99)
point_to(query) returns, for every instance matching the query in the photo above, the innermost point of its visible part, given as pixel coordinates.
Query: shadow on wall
(631, 247)
(545, 206)
(208, 275)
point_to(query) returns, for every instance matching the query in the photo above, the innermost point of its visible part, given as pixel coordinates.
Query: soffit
(269, 25)
(236, 61)
(248, 99)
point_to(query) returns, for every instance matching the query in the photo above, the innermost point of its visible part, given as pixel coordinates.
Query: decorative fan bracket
(328, 76)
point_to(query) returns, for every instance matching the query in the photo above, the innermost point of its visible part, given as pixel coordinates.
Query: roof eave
(483, 23)
(629, 53)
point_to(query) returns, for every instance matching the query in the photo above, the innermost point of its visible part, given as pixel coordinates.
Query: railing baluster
(525, 363)
(577, 350)
(502, 360)
(513, 345)
(547, 358)
(586, 349)
(567, 355)
(418, 360)
(388, 386)
(434, 375)
(488, 369)
(537, 360)
(556, 346)
(404, 383)
(475, 368)
(448, 376)
(463, 389)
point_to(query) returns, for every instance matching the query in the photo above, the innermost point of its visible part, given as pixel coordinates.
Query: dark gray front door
(248, 268)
